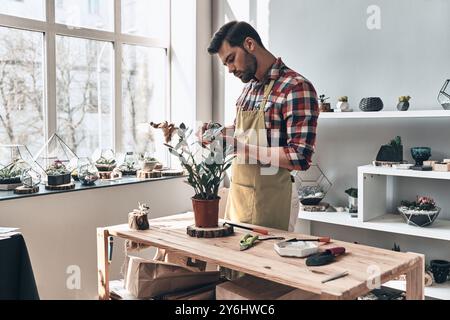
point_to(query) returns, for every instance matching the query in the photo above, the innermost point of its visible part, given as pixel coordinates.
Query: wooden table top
(263, 261)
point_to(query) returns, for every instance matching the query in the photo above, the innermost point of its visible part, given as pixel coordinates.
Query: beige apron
(256, 197)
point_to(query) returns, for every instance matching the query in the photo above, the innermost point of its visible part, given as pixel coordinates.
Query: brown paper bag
(146, 279)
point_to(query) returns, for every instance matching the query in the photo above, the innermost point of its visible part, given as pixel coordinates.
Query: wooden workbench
(362, 262)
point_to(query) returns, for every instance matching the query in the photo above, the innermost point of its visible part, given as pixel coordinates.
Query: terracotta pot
(206, 213)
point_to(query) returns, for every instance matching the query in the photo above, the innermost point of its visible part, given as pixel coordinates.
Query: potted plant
(129, 165)
(343, 104)
(11, 174)
(311, 195)
(206, 168)
(421, 213)
(57, 174)
(352, 199)
(403, 103)
(87, 172)
(105, 164)
(147, 162)
(392, 152)
(323, 105)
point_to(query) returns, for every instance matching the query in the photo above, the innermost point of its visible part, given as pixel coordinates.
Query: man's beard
(251, 65)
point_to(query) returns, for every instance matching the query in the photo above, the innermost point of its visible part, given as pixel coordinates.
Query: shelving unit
(439, 113)
(392, 223)
(373, 215)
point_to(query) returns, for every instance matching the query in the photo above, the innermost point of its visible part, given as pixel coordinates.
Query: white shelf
(391, 223)
(437, 291)
(369, 169)
(385, 114)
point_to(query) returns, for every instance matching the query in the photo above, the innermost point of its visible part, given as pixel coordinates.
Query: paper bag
(148, 278)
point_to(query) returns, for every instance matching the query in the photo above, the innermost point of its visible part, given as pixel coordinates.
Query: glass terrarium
(148, 162)
(10, 153)
(129, 165)
(444, 95)
(56, 151)
(30, 178)
(12, 173)
(312, 186)
(105, 160)
(87, 172)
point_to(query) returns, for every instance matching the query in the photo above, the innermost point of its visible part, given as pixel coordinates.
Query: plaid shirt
(291, 112)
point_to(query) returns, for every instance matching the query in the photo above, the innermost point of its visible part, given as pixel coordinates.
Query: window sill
(9, 195)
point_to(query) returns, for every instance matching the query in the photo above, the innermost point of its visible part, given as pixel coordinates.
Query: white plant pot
(343, 106)
(352, 202)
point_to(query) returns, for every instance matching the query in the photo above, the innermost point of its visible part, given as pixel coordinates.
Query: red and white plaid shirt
(291, 112)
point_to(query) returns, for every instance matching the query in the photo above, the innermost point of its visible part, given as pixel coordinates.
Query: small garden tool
(249, 241)
(324, 258)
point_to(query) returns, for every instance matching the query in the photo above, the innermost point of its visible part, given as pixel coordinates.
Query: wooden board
(9, 187)
(172, 173)
(321, 207)
(218, 232)
(25, 190)
(61, 187)
(262, 261)
(148, 175)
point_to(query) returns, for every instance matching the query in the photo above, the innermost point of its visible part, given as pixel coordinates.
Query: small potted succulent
(343, 104)
(323, 105)
(106, 162)
(147, 162)
(311, 195)
(403, 103)
(352, 199)
(11, 173)
(392, 152)
(129, 166)
(421, 213)
(57, 174)
(87, 172)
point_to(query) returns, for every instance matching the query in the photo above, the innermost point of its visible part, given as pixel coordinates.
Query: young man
(282, 105)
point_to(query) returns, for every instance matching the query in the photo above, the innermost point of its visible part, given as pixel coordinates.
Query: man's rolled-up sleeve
(300, 113)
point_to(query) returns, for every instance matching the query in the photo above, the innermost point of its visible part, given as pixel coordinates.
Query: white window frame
(50, 29)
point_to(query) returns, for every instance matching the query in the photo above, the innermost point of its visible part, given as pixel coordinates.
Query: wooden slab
(9, 187)
(25, 190)
(218, 232)
(61, 187)
(149, 175)
(262, 261)
(172, 173)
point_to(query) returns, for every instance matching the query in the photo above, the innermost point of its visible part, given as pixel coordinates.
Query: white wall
(60, 229)
(329, 43)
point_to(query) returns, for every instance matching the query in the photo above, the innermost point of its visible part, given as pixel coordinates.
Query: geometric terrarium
(15, 159)
(313, 185)
(444, 95)
(129, 166)
(56, 154)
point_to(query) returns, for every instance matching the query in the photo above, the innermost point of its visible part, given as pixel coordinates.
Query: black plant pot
(440, 270)
(390, 154)
(403, 106)
(15, 180)
(371, 104)
(59, 180)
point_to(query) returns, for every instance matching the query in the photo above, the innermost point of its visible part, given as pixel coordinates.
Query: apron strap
(267, 92)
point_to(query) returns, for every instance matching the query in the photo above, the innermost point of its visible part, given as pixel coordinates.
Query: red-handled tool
(321, 239)
(257, 230)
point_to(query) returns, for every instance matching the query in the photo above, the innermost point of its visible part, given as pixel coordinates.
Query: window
(21, 88)
(94, 84)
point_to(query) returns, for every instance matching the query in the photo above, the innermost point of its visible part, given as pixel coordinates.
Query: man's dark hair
(235, 33)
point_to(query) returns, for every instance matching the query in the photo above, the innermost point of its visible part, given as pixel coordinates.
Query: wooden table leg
(415, 281)
(102, 264)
